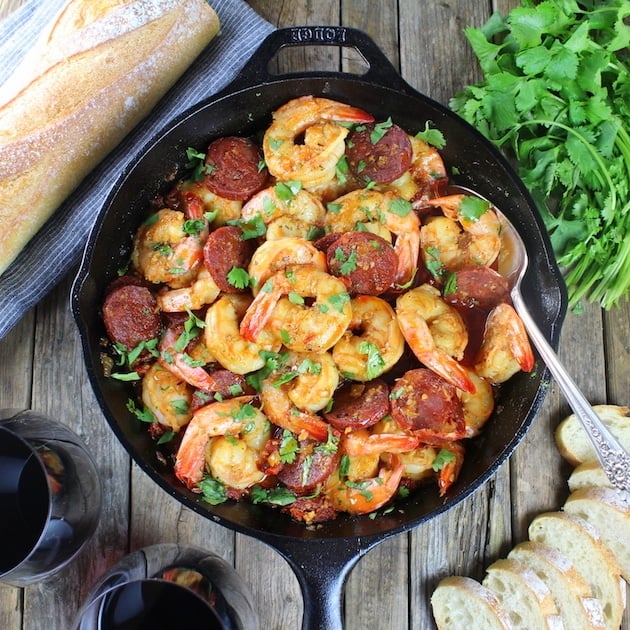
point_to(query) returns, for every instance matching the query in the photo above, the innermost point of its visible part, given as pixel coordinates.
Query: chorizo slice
(379, 157)
(233, 168)
(424, 403)
(359, 405)
(312, 466)
(478, 287)
(365, 262)
(131, 315)
(225, 250)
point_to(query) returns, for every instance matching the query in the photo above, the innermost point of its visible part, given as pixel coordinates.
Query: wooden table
(41, 367)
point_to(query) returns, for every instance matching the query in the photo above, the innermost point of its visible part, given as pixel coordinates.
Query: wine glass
(50, 496)
(169, 585)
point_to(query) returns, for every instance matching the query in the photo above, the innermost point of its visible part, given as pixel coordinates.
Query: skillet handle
(322, 568)
(380, 70)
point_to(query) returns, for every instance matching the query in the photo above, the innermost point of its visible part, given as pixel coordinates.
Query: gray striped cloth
(56, 250)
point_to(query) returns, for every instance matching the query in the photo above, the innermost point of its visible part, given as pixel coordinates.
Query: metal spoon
(512, 265)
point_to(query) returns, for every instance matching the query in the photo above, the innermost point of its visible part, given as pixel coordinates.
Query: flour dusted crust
(523, 595)
(582, 544)
(608, 511)
(573, 596)
(96, 72)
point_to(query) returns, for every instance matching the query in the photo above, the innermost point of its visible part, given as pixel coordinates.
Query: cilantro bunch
(556, 97)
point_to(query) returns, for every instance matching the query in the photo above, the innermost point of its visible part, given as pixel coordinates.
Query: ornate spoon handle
(612, 456)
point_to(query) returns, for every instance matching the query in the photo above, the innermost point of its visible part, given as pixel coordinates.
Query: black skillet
(322, 557)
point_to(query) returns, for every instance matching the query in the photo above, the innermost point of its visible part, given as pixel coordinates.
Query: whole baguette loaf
(94, 74)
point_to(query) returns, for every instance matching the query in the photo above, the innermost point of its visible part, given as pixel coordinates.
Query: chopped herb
(144, 415)
(375, 363)
(379, 130)
(289, 448)
(275, 496)
(443, 458)
(238, 278)
(434, 137)
(194, 227)
(166, 437)
(212, 491)
(473, 208)
(450, 286)
(339, 301)
(400, 207)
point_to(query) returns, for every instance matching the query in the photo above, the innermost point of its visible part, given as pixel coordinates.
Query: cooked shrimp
(202, 291)
(181, 362)
(235, 462)
(365, 495)
(284, 212)
(425, 176)
(313, 162)
(167, 397)
(229, 417)
(477, 406)
(373, 210)
(435, 333)
(163, 252)
(198, 195)
(282, 305)
(366, 442)
(281, 410)
(505, 349)
(469, 234)
(274, 256)
(223, 338)
(372, 343)
(449, 471)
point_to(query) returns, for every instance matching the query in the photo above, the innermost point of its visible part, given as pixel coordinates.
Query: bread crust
(97, 71)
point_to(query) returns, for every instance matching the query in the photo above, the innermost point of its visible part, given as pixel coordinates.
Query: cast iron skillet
(321, 558)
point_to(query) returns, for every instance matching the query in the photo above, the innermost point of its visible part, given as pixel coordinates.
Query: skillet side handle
(380, 71)
(322, 568)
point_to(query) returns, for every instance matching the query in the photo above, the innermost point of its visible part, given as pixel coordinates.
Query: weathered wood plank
(60, 389)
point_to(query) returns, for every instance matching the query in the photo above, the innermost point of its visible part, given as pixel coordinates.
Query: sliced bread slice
(588, 473)
(609, 512)
(573, 443)
(461, 602)
(523, 595)
(573, 596)
(580, 542)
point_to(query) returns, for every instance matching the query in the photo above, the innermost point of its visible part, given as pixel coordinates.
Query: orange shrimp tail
(449, 370)
(258, 314)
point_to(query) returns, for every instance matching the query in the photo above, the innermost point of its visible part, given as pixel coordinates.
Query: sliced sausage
(225, 250)
(378, 158)
(311, 510)
(478, 287)
(365, 262)
(423, 402)
(359, 405)
(130, 315)
(233, 168)
(312, 466)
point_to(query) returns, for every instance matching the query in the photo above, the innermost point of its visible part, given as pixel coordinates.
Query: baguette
(575, 446)
(572, 594)
(96, 72)
(589, 473)
(523, 595)
(580, 542)
(461, 602)
(609, 512)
